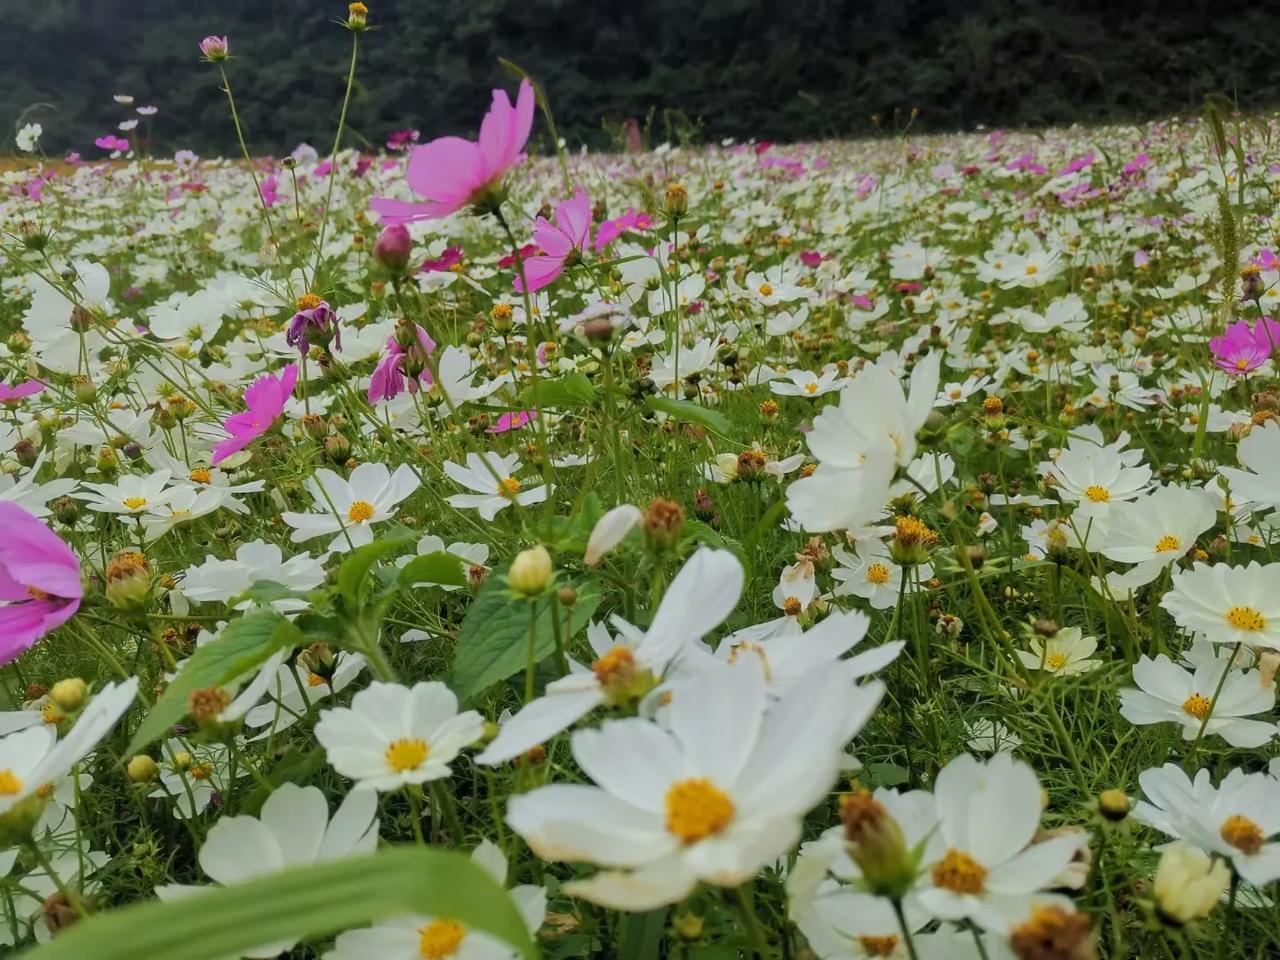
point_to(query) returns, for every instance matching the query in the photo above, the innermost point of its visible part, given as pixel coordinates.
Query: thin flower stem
(337, 141)
(73, 899)
(1217, 692)
(446, 809)
(744, 907)
(906, 931)
(414, 794)
(533, 650)
(248, 159)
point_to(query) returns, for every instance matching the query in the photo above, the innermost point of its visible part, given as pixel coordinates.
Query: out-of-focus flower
(39, 581)
(265, 399)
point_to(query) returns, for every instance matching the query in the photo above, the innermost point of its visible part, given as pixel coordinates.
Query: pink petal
(574, 218)
(540, 271)
(552, 240)
(447, 170)
(391, 211)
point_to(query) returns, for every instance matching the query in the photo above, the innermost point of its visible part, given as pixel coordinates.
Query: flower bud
(357, 17)
(26, 452)
(676, 201)
(663, 524)
(567, 595)
(337, 448)
(688, 926)
(912, 541)
(66, 511)
(59, 912)
(141, 769)
(1114, 804)
(128, 577)
(393, 248)
(69, 694)
(502, 317)
(83, 388)
(610, 530)
(107, 462)
(530, 572)
(214, 49)
(1189, 884)
(875, 841)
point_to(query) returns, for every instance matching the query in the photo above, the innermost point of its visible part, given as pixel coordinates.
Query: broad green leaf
(571, 390)
(304, 903)
(353, 575)
(493, 641)
(690, 412)
(243, 645)
(440, 567)
(641, 934)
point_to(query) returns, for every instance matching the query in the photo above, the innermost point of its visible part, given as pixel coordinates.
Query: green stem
(248, 159)
(906, 931)
(533, 650)
(337, 141)
(742, 903)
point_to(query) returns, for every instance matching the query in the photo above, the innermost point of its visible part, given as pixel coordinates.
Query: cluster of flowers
(885, 531)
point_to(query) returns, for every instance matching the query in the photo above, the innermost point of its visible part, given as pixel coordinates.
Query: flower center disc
(959, 873)
(440, 939)
(1097, 494)
(1242, 833)
(1246, 618)
(697, 809)
(1197, 705)
(360, 511)
(407, 753)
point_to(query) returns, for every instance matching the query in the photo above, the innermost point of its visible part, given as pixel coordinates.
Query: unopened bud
(1114, 804)
(675, 203)
(530, 571)
(663, 524)
(69, 694)
(876, 843)
(393, 248)
(141, 769)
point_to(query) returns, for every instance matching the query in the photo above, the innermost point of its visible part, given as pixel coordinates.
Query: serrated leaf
(494, 636)
(690, 412)
(353, 575)
(440, 567)
(243, 645)
(302, 903)
(571, 390)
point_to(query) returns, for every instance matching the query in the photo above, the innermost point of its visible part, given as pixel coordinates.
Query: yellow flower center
(315, 680)
(360, 511)
(766, 290)
(878, 574)
(618, 663)
(50, 713)
(134, 503)
(810, 388)
(792, 606)
(45, 792)
(1242, 364)
(407, 753)
(878, 946)
(1168, 543)
(308, 301)
(440, 938)
(201, 771)
(1246, 618)
(1197, 705)
(697, 809)
(1097, 494)
(1032, 270)
(1056, 660)
(1242, 833)
(201, 475)
(508, 487)
(9, 783)
(959, 873)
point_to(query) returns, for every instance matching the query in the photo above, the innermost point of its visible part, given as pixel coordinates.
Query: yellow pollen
(1032, 270)
(508, 487)
(201, 771)
(1242, 364)
(308, 301)
(440, 939)
(878, 574)
(407, 753)
(134, 503)
(1197, 705)
(1246, 618)
(766, 290)
(1056, 661)
(1242, 833)
(1168, 544)
(45, 792)
(315, 680)
(9, 783)
(810, 388)
(792, 607)
(360, 511)
(201, 475)
(697, 809)
(618, 663)
(1097, 494)
(878, 946)
(50, 713)
(956, 394)
(959, 873)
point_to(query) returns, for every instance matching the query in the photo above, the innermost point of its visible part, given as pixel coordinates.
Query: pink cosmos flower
(39, 581)
(402, 140)
(452, 173)
(1242, 349)
(511, 421)
(442, 263)
(389, 375)
(611, 230)
(265, 398)
(319, 321)
(12, 394)
(112, 142)
(214, 49)
(560, 243)
(525, 252)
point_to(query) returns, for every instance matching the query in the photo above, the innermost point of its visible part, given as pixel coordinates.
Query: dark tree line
(781, 69)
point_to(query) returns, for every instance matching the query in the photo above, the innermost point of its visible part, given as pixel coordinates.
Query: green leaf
(440, 567)
(243, 645)
(641, 934)
(493, 640)
(301, 903)
(353, 575)
(264, 591)
(571, 390)
(690, 412)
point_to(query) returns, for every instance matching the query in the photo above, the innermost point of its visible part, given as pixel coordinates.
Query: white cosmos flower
(33, 758)
(712, 793)
(1234, 820)
(34, 497)
(26, 137)
(131, 494)
(872, 574)
(191, 774)
(1158, 528)
(988, 813)
(491, 495)
(416, 937)
(1228, 604)
(294, 690)
(351, 507)
(392, 736)
(1169, 693)
(752, 462)
(293, 829)
(628, 666)
(218, 581)
(805, 383)
(474, 557)
(1259, 453)
(1067, 653)
(1095, 477)
(74, 868)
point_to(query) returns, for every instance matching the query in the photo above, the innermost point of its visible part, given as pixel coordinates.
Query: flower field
(839, 550)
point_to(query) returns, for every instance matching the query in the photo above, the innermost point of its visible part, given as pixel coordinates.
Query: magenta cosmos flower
(39, 581)
(401, 361)
(265, 398)
(1243, 349)
(560, 243)
(452, 173)
(18, 391)
(214, 49)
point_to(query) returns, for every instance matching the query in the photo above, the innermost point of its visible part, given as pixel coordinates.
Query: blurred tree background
(778, 69)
